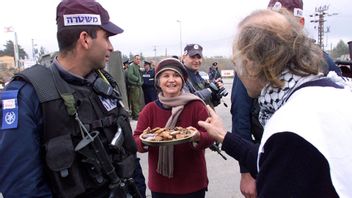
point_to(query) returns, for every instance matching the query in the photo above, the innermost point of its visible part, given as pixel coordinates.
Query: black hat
(171, 64)
(126, 62)
(193, 49)
(84, 12)
(215, 63)
(147, 63)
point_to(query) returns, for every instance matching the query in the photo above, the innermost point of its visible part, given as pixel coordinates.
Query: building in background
(7, 62)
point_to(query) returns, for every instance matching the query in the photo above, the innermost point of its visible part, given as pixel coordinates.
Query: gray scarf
(166, 153)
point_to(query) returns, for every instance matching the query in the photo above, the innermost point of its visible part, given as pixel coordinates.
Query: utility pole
(15, 45)
(319, 17)
(17, 57)
(33, 50)
(180, 23)
(154, 49)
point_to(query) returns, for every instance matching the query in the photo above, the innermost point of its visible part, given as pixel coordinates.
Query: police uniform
(195, 83)
(41, 140)
(214, 72)
(148, 85)
(20, 140)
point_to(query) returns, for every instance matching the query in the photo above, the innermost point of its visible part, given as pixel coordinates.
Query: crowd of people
(139, 83)
(65, 133)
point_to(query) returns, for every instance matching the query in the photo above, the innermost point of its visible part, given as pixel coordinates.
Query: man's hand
(214, 126)
(248, 186)
(219, 83)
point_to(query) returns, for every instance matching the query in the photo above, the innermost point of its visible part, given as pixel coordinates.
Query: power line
(319, 17)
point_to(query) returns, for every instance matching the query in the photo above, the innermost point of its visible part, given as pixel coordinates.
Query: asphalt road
(223, 174)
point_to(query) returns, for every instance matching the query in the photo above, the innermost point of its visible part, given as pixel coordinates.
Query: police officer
(125, 65)
(214, 72)
(192, 59)
(148, 83)
(64, 132)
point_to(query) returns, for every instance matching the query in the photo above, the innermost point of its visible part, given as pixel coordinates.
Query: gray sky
(153, 24)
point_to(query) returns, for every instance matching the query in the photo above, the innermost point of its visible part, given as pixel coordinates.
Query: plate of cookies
(166, 136)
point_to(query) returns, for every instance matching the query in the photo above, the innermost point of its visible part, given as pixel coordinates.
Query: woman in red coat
(175, 170)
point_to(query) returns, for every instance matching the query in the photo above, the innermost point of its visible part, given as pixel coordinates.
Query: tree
(340, 49)
(132, 56)
(142, 57)
(125, 57)
(9, 50)
(42, 51)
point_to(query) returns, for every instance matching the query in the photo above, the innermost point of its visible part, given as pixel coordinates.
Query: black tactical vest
(73, 173)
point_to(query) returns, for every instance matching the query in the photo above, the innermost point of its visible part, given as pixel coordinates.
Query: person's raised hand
(219, 83)
(214, 125)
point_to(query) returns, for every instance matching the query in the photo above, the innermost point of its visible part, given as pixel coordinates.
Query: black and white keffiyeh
(271, 99)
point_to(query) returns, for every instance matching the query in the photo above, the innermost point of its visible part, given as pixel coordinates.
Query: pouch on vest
(60, 156)
(126, 167)
(123, 122)
(125, 160)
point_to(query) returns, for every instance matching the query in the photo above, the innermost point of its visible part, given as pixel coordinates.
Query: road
(223, 174)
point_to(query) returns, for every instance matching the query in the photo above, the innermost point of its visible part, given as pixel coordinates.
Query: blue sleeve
(21, 167)
(211, 74)
(241, 108)
(331, 64)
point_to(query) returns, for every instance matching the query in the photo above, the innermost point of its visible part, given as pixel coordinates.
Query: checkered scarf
(271, 98)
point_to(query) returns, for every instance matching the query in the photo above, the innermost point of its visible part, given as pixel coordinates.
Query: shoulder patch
(9, 107)
(108, 103)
